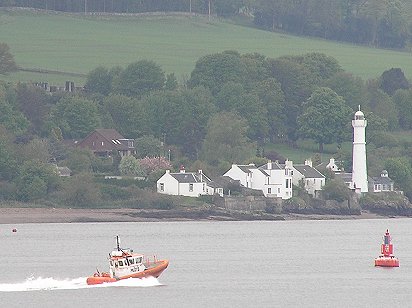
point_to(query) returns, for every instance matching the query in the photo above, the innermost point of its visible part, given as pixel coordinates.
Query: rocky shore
(67, 215)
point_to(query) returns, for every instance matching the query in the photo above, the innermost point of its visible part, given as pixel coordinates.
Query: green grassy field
(77, 44)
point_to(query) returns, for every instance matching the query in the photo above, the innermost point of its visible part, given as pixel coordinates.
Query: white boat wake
(39, 283)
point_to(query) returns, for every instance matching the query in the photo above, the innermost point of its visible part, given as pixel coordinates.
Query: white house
(188, 184)
(313, 180)
(383, 183)
(279, 182)
(271, 179)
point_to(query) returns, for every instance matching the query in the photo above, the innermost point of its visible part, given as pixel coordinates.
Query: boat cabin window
(139, 260)
(120, 263)
(131, 261)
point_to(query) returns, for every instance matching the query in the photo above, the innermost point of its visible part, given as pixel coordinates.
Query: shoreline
(69, 215)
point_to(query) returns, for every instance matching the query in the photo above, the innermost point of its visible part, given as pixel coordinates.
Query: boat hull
(387, 262)
(153, 270)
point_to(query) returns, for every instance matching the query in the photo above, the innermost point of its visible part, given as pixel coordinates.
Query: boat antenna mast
(118, 243)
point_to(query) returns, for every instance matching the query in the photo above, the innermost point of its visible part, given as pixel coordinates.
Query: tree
(140, 78)
(99, 80)
(149, 146)
(213, 71)
(297, 84)
(35, 180)
(271, 95)
(226, 139)
(324, 118)
(321, 65)
(7, 63)
(179, 117)
(80, 160)
(351, 88)
(383, 106)
(126, 114)
(36, 149)
(392, 80)
(75, 116)
(336, 189)
(400, 170)
(151, 165)
(12, 119)
(35, 104)
(403, 101)
(8, 162)
(129, 165)
(81, 191)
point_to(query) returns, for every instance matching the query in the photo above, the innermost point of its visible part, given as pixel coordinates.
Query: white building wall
(192, 189)
(277, 183)
(237, 174)
(170, 185)
(258, 180)
(314, 184)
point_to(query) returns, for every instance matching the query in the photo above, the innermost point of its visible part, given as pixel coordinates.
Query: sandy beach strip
(63, 215)
(68, 215)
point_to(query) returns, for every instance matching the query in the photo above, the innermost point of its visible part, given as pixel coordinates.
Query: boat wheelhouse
(124, 264)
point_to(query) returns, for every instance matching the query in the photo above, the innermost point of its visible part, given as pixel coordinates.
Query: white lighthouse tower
(359, 173)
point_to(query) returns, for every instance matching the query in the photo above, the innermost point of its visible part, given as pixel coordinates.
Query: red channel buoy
(387, 259)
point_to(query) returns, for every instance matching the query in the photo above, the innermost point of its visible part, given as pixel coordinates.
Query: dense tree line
(230, 110)
(379, 23)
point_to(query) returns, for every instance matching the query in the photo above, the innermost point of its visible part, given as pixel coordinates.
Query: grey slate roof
(346, 177)
(189, 177)
(308, 172)
(382, 180)
(275, 166)
(246, 168)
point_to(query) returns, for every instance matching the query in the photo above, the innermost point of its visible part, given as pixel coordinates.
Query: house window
(287, 183)
(269, 190)
(278, 190)
(376, 187)
(102, 143)
(162, 187)
(204, 187)
(190, 187)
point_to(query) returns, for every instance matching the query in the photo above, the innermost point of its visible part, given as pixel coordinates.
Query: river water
(212, 264)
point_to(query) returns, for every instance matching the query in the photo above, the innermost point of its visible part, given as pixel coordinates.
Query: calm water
(212, 264)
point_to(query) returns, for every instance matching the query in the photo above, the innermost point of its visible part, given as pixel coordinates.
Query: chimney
(269, 164)
(182, 169)
(289, 164)
(167, 171)
(308, 162)
(201, 175)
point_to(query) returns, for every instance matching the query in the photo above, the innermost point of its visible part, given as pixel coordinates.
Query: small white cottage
(190, 184)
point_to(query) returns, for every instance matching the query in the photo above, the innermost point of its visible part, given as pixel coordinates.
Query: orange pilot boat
(125, 264)
(387, 259)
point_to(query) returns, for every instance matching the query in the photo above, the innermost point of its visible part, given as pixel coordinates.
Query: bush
(114, 193)
(337, 190)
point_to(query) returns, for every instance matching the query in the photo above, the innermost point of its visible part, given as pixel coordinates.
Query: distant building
(312, 180)
(272, 179)
(383, 183)
(188, 184)
(103, 142)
